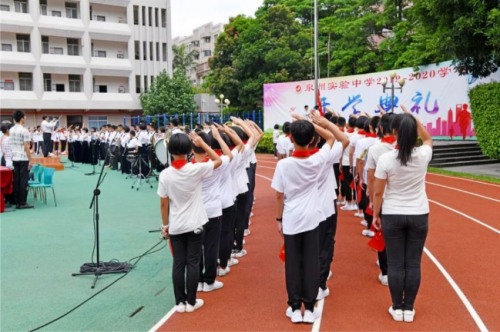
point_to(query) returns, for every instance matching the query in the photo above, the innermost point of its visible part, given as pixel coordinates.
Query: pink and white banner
(436, 94)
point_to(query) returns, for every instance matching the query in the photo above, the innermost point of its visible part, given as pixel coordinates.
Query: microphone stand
(92, 143)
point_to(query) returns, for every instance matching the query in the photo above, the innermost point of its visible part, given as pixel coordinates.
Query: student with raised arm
(183, 215)
(400, 194)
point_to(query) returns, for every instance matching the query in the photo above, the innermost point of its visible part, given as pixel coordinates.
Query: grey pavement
(492, 170)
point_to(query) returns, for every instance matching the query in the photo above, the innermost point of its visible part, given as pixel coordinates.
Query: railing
(191, 119)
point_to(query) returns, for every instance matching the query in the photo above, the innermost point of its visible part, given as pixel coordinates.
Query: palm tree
(182, 60)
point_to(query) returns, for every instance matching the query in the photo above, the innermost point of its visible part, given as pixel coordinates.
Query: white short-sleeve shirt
(211, 189)
(361, 152)
(183, 188)
(284, 145)
(241, 176)
(405, 190)
(298, 179)
(228, 188)
(276, 135)
(327, 182)
(345, 155)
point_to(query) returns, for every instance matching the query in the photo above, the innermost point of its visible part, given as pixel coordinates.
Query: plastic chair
(48, 182)
(37, 171)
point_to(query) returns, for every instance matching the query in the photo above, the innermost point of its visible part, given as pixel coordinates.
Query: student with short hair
(400, 193)
(298, 215)
(276, 136)
(183, 215)
(284, 145)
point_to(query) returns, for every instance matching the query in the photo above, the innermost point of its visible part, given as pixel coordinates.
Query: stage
(50, 162)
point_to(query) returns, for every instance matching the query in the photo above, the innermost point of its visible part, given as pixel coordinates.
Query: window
(150, 16)
(137, 84)
(156, 17)
(73, 48)
(90, 12)
(43, 9)
(60, 87)
(47, 82)
(151, 51)
(74, 83)
(103, 89)
(137, 50)
(56, 13)
(100, 54)
(120, 56)
(143, 15)
(136, 15)
(145, 82)
(4, 8)
(164, 18)
(97, 121)
(215, 36)
(152, 80)
(101, 18)
(207, 53)
(144, 50)
(26, 81)
(8, 85)
(57, 50)
(164, 49)
(21, 6)
(23, 43)
(7, 47)
(157, 51)
(196, 43)
(75, 120)
(71, 10)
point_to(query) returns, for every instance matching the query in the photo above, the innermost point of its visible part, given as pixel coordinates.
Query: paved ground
(486, 170)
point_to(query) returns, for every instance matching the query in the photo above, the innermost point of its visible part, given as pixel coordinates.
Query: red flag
(369, 210)
(282, 254)
(377, 242)
(352, 185)
(320, 107)
(341, 176)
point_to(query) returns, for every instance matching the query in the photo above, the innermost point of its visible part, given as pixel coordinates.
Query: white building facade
(202, 40)
(86, 59)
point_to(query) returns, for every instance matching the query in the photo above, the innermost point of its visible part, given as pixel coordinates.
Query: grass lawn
(463, 175)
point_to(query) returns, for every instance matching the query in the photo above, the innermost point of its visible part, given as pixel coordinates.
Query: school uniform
(143, 144)
(187, 216)
(251, 170)
(63, 139)
(123, 148)
(284, 145)
(348, 176)
(276, 136)
(298, 179)
(353, 140)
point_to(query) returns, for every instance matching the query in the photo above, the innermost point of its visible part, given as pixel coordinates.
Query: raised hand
(197, 140)
(298, 117)
(215, 132)
(405, 110)
(320, 121)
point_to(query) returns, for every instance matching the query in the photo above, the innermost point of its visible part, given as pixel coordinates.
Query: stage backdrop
(436, 94)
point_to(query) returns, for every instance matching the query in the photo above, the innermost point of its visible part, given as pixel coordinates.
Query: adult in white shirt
(175, 126)
(284, 145)
(47, 129)
(276, 136)
(183, 215)
(400, 175)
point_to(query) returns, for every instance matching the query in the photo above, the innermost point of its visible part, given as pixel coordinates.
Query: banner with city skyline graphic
(437, 94)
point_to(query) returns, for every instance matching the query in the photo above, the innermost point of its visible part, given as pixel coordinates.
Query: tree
(182, 60)
(168, 95)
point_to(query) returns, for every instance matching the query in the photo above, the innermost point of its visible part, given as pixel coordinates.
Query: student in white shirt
(47, 129)
(123, 148)
(175, 126)
(63, 139)
(400, 193)
(347, 172)
(276, 136)
(284, 145)
(183, 215)
(211, 195)
(298, 215)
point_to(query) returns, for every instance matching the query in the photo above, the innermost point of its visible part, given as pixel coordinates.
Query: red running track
(254, 294)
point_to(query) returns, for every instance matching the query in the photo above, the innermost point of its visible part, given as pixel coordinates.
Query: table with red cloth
(6, 185)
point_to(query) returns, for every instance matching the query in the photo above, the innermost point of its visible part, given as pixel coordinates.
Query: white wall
(10, 3)
(113, 14)
(62, 42)
(113, 83)
(9, 38)
(4, 75)
(59, 5)
(111, 48)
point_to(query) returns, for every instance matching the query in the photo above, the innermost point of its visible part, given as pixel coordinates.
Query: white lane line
(459, 292)
(163, 320)
(260, 166)
(265, 177)
(463, 191)
(466, 216)
(265, 161)
(464, 179)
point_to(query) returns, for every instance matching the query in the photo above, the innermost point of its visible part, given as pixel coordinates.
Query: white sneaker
(200, 287)
(340, 202)
(295, 316)
(232, 262)
(359, 215)
(408, 315)
(241, 253)
(249, 222)
(310, 317)
(378, 263)
(322, 293)
(216, 285)
(254, 201)
(198, 305)
(397, 315)
(329, 275)
(244, 242)
(246, 232)
(364, 223)
(367, 232)
(383, 279)
(51, 154)
(251, 215)
(223, 272)
(349, 207)
(181, 307)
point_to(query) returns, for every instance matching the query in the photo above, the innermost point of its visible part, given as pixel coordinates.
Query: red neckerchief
(288, 135)
(178, 164)
(371, 135)
(397, 147)
(362, 132)
(389, 139)
(303, 153)
(342, 129)
(245, 142)
(219, 152)
(350, 131)
(313, 151)
(203, 161)
(232, 148)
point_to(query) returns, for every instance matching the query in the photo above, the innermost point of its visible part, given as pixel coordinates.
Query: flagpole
(316, 52)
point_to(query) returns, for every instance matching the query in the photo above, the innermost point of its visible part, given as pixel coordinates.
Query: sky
(190, 14)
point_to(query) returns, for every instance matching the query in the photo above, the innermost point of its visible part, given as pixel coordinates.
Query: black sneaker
(25, 206)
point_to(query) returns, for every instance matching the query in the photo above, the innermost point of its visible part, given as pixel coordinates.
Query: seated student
(183, 215)
(284, 145)
(400, 193)
(211, 195)
(298, 215)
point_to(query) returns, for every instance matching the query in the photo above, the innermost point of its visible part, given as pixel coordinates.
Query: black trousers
(339, 189)
(47, 143)
(37, 147)
(346, 184)
(208, 262)
(187, 249)
(275, 150)
(21, 177)
(226, 236)
(302, 269)
(363, 205)
(405, 237)
(251, 188)
(63, 145)
(240, 223)
(326, 240)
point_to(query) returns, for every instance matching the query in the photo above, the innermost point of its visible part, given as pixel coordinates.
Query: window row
(142, 84)
(137, 51)
(156, 15)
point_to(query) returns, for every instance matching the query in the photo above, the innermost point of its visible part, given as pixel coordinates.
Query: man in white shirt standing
(47, 128)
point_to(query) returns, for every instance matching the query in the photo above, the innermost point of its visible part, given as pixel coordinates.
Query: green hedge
(266, 144)
(485, 107)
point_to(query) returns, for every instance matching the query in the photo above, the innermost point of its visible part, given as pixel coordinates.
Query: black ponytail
(407, 137)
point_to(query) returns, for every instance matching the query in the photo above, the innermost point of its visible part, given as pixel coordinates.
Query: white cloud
(190, 14)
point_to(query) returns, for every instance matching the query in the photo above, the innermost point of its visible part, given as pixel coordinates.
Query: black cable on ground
(148, 252)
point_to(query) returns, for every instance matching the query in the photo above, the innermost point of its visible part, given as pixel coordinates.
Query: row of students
(206, 204)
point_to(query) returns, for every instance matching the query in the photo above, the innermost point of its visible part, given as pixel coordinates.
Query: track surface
(254, 294)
